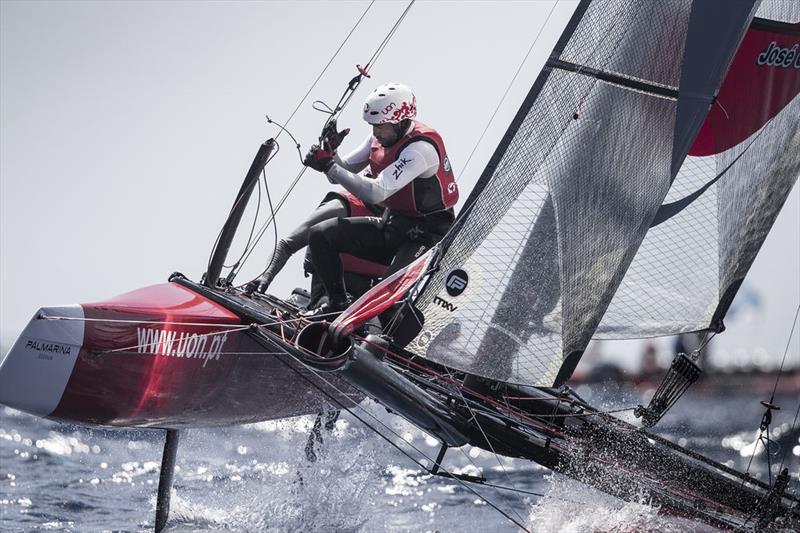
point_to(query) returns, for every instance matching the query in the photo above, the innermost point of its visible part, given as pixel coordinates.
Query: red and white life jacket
(425, 194)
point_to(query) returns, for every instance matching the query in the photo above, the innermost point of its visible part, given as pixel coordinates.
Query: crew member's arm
(358, 159)
(417, 159)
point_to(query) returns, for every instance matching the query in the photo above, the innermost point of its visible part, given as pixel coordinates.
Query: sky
(126, 129)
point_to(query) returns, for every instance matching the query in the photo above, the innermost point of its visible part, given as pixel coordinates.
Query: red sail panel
(763, 78)
(381, 297)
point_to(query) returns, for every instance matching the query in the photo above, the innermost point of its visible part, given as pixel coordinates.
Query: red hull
(163, 356)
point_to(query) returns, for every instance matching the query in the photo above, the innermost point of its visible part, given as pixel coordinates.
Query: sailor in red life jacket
(409, 175)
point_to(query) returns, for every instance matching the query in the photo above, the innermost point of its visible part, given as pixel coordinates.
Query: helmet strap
(399, 129)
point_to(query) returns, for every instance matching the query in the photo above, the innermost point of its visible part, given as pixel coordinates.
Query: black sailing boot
(338, 301)
(329, 310)
(276, 263)
(317, 295)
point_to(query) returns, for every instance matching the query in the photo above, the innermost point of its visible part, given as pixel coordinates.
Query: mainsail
(545, 240)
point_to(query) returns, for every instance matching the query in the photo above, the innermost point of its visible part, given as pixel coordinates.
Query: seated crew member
(335, 204)
(410, 176)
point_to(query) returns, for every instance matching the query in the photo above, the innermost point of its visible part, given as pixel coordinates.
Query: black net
(569, 196)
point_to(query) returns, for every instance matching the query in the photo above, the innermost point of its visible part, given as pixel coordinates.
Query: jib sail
(726, 196)
(544, 241)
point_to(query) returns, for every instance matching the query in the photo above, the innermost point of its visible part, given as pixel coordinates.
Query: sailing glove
(331, 138)
(319, 159)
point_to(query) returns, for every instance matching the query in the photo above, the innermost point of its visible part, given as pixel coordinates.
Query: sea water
(256, 478)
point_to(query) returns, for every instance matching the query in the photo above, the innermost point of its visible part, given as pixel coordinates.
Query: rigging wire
(794, 425)
(325, 68)
(343, 101)
(279, 322)
(519, 415)
(246, 254)
(387, 439)
(508, 88)
(385, 42)
(128, 321)
(797, 412)
(785, 351)
(770, 405)
(480, 428)
(137, 352)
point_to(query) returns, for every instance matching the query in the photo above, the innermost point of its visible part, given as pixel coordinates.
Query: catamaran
(627, 199)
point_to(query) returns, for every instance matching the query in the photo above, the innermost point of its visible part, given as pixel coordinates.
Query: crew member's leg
(399, 241)
(332, 206)
(406, 254)
(414, 237)
(360, 236)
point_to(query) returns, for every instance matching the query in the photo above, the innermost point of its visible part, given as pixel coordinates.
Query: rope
(508, 88)
(344, 100)
(275, 240)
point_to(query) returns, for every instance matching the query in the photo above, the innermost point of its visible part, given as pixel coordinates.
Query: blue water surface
(256, 478)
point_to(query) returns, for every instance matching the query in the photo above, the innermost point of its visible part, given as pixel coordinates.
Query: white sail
(563, 205)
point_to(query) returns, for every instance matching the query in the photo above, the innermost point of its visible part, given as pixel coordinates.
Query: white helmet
(390, 104)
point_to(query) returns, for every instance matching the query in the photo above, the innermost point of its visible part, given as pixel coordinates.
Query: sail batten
(547, 237)
(616, 78)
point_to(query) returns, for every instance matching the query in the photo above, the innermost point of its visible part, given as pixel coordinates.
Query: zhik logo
(399, 166)
(456, 282)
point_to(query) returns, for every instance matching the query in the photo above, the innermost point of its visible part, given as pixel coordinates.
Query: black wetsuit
(396, 243)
